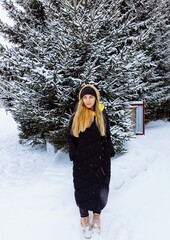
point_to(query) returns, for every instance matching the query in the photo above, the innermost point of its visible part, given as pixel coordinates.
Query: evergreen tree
(60, 45)
(154, 14)
(159, 50)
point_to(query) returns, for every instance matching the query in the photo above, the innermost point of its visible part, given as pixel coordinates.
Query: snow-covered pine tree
(88, 43)
(58, 47)
(154, 15)
(22, 83)
(137, 62)
(101, 53)
(159, 49)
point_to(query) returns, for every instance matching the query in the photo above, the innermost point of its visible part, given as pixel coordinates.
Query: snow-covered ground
(36, 190)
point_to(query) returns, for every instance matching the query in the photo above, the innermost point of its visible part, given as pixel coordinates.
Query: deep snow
(37, 196)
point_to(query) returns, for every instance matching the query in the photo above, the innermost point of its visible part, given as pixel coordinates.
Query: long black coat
(91, 153)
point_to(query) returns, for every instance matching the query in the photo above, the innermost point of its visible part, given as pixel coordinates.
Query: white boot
(86, 227)
(96, 223)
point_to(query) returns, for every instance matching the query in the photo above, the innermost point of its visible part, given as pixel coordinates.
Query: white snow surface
(37, 194)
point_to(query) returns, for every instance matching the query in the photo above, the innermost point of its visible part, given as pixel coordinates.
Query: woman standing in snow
(90, 149)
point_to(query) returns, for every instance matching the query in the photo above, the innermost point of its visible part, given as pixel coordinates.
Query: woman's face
(89, 101)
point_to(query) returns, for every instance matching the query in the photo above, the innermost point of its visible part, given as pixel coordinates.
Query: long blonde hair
(84, 117)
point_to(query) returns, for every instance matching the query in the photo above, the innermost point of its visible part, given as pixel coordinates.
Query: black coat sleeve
(72, 142)
(108, 135)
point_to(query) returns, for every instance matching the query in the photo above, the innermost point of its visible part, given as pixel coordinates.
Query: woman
(90, 149)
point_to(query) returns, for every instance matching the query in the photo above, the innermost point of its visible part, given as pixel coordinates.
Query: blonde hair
(84, 117)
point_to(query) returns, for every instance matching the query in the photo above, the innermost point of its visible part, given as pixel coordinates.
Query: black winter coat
(91, 153)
